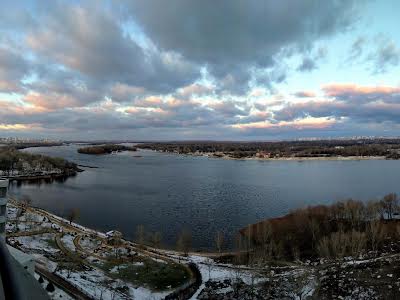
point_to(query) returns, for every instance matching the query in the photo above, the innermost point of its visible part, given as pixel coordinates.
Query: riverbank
(94, 262)
(82, 259)
(87, 260)
(51, 176)
(292, 158)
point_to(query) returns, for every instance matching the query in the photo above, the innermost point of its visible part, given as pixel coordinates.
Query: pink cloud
(299, 124)
(50, 101)
(338, 89)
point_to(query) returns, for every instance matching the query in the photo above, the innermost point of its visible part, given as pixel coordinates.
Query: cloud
(195, 89)
(307, 65)
(362, 93)
(357, 48)
(232, 37)
(89, 40)
(299, 124)
(229, 109)
(386, 55)
(191, 67)
(13, 68)
(356, 104)
(305, 94)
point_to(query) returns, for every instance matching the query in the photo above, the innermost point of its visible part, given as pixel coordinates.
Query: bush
(50, 287)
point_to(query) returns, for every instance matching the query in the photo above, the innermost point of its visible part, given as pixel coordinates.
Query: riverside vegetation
(386, 148)
(345, 228)
(105, 149)
(17, 164)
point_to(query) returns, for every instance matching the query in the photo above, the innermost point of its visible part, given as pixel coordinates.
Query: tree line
(345, 228)
(105, 149)
(389, 148)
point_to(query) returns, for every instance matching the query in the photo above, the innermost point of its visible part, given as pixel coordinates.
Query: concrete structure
(25, 260)
(3, 206)
(16, 270)
(16, 282)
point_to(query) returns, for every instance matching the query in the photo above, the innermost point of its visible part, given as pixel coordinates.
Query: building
(3, 206)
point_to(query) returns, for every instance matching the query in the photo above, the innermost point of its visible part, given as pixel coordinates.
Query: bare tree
(219, 241)
(301, 287)
(239, 249)
(390, 205)
(73, 215)
(184, 242)
(266, 240)
(314, 228)
(209, 264)
(26, 202)
(375, 234)
(17, 218)
(140, 235)
(156, 239)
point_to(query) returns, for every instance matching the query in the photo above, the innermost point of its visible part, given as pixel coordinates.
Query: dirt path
(30, 233)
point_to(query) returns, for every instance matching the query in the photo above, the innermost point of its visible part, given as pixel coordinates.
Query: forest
(347, 228)
(105, 149)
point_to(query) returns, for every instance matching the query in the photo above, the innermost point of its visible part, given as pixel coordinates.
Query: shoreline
(292, 158)
(63, 222)
(21, 178)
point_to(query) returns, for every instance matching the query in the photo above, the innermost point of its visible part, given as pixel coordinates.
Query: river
(169, 192)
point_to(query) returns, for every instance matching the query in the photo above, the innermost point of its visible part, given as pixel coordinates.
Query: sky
(193, 70)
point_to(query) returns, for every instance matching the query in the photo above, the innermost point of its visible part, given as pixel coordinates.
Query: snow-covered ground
(98, 285)
(68, 241)
(36, 243)
(57, 294)
(36, 234)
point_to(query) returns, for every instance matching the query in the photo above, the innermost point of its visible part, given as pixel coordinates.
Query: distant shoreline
(292, 158)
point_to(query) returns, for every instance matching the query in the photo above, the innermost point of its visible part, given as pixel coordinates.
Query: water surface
(168, 192)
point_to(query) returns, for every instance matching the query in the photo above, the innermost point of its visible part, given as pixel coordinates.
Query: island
(105, 149)
(19, 165)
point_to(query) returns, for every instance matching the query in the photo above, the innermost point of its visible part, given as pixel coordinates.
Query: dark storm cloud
(90, 40)
(227, 34)
(79, 66)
